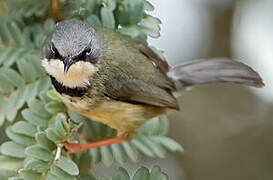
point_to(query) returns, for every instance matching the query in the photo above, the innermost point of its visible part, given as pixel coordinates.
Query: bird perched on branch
(120, 82)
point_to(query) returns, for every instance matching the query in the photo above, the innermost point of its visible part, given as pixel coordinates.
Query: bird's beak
(68, 61)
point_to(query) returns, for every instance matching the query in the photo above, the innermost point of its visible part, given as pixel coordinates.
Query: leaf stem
(58, 153)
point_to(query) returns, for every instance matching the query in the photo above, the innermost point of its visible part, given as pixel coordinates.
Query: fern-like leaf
(142, 173)
(28, 8)
(21, 76)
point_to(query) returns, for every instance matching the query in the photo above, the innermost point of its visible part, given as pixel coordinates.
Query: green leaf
(164, 125)
(148, 6)
(24, 128)
(26, 9)
(12, 149)
(43, 85)
(111, 4)
(156, 174)
(106, 155)
(61, 126)
(142, 147)
(6, 35)
(19, 100)
(15, 178)
(118, 153)
(142, 174)
(42, 139)
(36, 63)
(49, 25)
(12, 76)
(20, 139)
(36, 165)
(131, 31)
(44, 98)
(55, 107)
(107, 18)
(31, 91)
(130, 12)
(27, 70)
(76, 117)
(121, 174)
(168, 143)
(93, 20)
(96, 155)
(131, 152)
(94, 130)
(54, 136)
(29, 175)
(150, 26)
(90, 177)
(2, 110)
(14, 102)
(52, 94)
(37, 107)
(155, 126)
(5, 85)
(84, 162)
(156, 148)
(39, 153)
(50, 176)
(12, 54)
(16, 32)
(9, 166)
(59, 173)
(150, 127)
(33, 118)
(68, 166)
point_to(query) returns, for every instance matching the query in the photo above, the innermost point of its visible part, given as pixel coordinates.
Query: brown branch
(56, 10)
(3, 8)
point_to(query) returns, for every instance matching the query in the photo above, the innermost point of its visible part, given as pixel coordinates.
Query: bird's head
(71, 53)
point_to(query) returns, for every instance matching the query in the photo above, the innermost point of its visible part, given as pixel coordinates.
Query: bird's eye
(88, 55)
(55, 53)
(51, 52)
(84, 54)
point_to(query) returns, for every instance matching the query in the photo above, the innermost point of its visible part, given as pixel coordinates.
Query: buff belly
(126, 118)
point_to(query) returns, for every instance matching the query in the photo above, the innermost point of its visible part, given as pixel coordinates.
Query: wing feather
(137, 74)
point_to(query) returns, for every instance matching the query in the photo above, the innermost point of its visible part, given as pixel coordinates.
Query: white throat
(77, 75)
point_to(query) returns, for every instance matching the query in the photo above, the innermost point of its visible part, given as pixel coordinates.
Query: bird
(118, 81)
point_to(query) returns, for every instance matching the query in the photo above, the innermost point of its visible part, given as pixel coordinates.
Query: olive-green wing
(151, 55)
(139, 92)
(137, 74)
(139, 80)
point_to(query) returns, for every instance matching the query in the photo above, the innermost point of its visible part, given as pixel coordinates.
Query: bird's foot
(74, 148)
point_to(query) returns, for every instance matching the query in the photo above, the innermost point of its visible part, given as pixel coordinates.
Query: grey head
(71, 41)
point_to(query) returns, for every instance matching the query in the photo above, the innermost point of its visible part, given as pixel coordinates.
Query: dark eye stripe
(51, 52)
(56, 53)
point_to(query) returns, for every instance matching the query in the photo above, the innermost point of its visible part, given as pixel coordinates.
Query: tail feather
(214, 71)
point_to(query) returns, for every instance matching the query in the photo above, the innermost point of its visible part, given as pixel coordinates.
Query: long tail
(214, 71)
